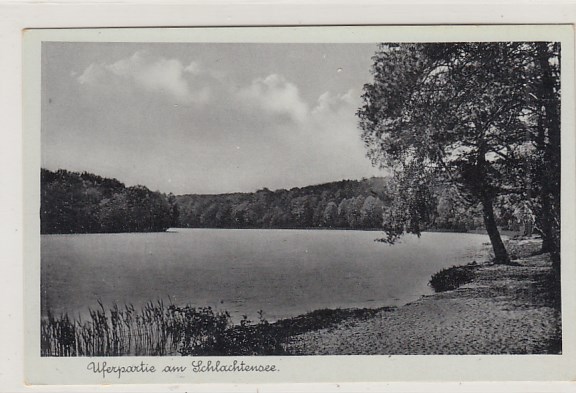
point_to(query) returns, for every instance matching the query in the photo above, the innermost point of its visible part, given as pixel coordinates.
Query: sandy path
(504, 310)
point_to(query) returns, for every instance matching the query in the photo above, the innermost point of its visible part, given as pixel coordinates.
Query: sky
(205, 118)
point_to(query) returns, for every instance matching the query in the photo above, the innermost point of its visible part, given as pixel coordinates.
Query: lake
(282, 272)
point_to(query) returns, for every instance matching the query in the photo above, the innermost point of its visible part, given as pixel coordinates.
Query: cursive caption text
(106, 369)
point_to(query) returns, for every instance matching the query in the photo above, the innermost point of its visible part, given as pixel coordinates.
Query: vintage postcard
(299, 204)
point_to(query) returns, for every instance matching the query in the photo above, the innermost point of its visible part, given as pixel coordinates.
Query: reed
(154, 330)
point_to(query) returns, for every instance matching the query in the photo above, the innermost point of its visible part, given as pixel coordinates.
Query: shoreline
(367, 229)
(503, 310)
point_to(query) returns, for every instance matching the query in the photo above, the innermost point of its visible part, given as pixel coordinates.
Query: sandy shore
(505, 310)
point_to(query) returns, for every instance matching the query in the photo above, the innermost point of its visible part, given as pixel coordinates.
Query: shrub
(203, 332)
(452, 278)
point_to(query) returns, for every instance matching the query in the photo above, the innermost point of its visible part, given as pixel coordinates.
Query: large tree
(461, 115)
(545, 112)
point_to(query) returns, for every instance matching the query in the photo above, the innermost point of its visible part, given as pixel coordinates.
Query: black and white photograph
(270, 200)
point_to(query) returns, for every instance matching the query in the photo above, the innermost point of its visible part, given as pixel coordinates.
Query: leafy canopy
(452, 114)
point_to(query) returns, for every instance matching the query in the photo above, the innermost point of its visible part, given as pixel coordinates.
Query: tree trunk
(549, 125)
(546, 222)
(500, 253)
(485, 191)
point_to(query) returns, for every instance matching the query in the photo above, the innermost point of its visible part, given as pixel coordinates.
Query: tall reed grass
(154, 330)
(159, 330)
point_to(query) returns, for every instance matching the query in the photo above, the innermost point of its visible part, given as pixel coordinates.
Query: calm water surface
(282, 272)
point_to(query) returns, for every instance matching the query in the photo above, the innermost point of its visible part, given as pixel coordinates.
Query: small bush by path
(453, 277)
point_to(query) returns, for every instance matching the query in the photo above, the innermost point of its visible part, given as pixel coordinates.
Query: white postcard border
(41, 371)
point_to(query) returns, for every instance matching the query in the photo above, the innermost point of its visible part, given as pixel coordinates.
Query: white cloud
(275, 95)
(193, 68)
(328, 103)
(92, 75)
(156, 75)
(333, 119)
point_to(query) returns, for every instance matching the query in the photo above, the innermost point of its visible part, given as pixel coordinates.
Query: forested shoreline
(346, 204)
(73, 202)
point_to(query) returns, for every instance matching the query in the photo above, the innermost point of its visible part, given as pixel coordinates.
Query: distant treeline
(74, 202)
(347, 204)
(343, 204)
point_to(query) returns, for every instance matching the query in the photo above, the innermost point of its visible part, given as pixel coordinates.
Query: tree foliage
(74, 202)
(345, 204)
(86, 203)
(467, 117)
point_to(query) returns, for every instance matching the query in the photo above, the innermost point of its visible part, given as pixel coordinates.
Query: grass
(154, 330)
(159, 330)
(113, 332)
